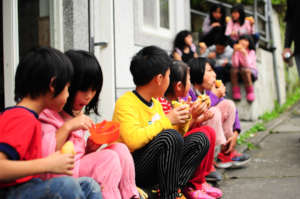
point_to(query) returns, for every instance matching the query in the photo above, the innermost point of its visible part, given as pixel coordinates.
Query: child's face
(61, 99)
(220, 49)
(244, 43)
(235, 15)
(217, 14)
(188, 40)
(187, 84)
(209, 78)
(83, 98)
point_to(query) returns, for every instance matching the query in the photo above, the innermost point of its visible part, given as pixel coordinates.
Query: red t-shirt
(166, 105)
(20, 137)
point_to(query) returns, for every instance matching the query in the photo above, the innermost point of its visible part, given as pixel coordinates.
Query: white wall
(125, 44)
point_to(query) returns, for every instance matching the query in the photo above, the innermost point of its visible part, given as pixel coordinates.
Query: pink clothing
(112, 167)
(222, 121)
(246, 28)
(240, 60)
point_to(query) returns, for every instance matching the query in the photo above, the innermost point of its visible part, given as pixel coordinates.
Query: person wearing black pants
(172, 158)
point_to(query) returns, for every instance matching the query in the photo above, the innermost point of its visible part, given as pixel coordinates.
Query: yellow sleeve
(134, 133)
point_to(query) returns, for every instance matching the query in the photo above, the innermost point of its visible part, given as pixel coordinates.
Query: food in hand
(204, 98)
(218, 83)
(227, 19)
(176, 104)
(202, 45)
(68, 148)
(237, 47)
(250, 19)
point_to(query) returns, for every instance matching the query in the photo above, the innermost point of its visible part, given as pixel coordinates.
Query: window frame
(159, 36)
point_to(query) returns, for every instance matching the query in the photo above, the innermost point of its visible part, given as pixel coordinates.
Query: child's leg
(196, 146)
(104, 166)
(205, 166)
(90, 188)
(55, 188)
(216, 124)
(227, 109)
(234, 77)
(127, 184)
(158, 162)
(247, 78)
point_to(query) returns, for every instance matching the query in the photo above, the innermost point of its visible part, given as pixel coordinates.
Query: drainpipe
(273, 49)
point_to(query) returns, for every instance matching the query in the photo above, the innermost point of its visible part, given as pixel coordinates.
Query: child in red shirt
(42, 81)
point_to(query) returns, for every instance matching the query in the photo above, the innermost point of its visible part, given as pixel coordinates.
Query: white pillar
(10, 48)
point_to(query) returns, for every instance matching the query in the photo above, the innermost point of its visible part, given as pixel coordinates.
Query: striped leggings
(169, 160)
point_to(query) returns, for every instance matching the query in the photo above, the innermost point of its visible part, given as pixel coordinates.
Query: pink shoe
(191, 193)
(250, 93)
(236, 93)
(212, 191)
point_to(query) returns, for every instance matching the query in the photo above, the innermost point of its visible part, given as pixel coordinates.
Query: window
(154, 20)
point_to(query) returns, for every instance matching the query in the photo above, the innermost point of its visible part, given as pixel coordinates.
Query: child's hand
(198, 108)
(208, 115)
(220, 91)
(91, 146)
(211, 55)
(215, 24)
(59, 163)
(202, 47)
(79, 122)
(179, 115)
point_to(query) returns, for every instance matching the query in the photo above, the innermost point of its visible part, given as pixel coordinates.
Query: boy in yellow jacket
(161, 155)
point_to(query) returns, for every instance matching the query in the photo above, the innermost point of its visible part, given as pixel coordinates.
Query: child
(42, 81)
(214, 24)
(221, 52)
(161, 155)
(111, 167)
(184, 49)
(178, 88)
(225, 121)
(244, 66)
(239, 24)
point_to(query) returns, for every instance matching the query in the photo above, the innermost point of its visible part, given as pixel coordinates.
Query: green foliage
(268, 116)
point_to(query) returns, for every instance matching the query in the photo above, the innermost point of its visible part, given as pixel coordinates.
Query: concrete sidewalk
(274, 171)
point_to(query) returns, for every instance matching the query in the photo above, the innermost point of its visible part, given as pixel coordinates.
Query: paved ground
(274, 172)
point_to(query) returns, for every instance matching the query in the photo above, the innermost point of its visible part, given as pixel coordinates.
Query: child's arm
(177, 56)
(14, 169)
(229, 28)
(78, 122)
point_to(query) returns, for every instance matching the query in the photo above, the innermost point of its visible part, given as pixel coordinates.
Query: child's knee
(171, 138)
(64, 186)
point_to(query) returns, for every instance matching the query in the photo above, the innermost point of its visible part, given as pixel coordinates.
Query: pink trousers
(113, 168)
(223, 120)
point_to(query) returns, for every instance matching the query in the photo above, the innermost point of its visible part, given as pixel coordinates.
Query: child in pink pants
(113, 166)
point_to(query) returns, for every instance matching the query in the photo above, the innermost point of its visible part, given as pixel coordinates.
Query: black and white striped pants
(169, 160)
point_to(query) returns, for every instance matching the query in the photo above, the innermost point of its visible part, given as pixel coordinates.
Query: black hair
(197, 68)
(250, 40)
(87, 75)
(221, 39)
(178, 73)
(213, 9)
(37, 69)
(240, 9)
(147, 63)
(179, 39)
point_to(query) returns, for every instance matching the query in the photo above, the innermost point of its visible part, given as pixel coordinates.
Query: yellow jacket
(139, 123)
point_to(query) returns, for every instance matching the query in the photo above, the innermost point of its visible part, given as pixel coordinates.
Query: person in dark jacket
(292, 32)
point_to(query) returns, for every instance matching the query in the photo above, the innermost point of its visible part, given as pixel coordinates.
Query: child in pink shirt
(244, 66)
(239, 25)
(113, 166)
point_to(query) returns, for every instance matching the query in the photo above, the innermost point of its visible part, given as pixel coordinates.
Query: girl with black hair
(239, 24)
(113, 166)
(244, 66)
(179, 87)
(214, 24)
(184, 49)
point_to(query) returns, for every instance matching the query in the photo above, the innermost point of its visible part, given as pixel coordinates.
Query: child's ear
(179, 86)
(51, 85)
(158, 79)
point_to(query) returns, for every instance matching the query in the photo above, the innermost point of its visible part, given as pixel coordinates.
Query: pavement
(274, 170)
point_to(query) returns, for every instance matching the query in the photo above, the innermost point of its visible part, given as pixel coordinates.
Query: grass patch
(266, 117)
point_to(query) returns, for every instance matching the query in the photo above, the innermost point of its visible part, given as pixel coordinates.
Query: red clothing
(206, 164)
(20, 137)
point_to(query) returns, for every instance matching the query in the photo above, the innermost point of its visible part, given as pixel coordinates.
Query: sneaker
(191, 193)
(212, 191)
(213, 176)
(236, 93)
(232, 160)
